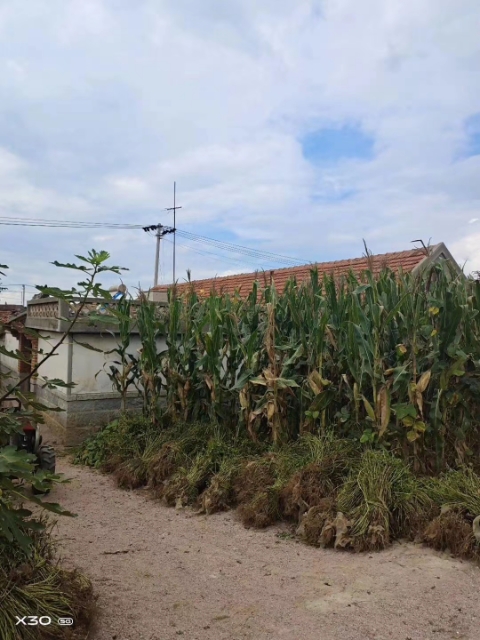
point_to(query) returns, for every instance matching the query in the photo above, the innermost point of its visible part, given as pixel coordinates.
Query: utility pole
(174, 209)
(160, 231)
(23, 295)
(157, 254)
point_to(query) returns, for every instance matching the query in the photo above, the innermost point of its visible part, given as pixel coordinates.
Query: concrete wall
(92, 402)
(12, 344)
(87, 363)
(57, 365)
(158, 296)
(84, 414)
(9, 366)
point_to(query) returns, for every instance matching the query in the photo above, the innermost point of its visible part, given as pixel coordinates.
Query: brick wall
(23, 366)
(34, 356)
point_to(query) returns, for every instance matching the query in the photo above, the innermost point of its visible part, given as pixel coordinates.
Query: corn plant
(149, 363)
(122, 373)
(389, 359)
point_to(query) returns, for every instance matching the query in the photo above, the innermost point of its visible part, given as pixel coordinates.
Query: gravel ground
(161, 574)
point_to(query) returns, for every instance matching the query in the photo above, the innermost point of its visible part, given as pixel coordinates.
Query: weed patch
(335, 494)
(450, 531)
(380, 498)
(35, 582)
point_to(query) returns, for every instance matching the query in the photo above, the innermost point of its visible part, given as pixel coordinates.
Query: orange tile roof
(404, 260)
(7, 311)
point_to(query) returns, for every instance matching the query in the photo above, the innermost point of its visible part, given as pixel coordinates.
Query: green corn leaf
(403, 410)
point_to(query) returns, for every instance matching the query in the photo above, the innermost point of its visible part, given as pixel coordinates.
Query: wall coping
(54, 314)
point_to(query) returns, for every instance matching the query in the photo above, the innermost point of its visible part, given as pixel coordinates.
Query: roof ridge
(310, 265)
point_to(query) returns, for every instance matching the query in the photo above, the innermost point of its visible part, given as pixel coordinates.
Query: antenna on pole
(174, 209)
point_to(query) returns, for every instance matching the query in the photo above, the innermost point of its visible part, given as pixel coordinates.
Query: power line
(217, 256)
(21, 284)
(237, 248)
(26, 222)
(226, 246)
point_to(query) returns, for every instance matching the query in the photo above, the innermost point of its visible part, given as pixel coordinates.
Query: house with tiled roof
(410, 261)
(92, 401)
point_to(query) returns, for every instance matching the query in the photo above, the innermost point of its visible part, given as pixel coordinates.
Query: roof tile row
(243, 282)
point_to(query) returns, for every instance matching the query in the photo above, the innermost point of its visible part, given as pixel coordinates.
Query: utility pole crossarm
(160, 231)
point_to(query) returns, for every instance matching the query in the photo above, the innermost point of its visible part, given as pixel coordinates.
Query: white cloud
(467, 252)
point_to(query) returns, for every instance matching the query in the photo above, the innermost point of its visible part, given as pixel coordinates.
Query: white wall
(57, 365)
(87, 363)
(12, 344)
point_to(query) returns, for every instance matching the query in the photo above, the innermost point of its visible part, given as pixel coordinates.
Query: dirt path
(162, 574)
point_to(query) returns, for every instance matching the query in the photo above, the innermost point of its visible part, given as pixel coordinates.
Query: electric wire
(217, 256)
(187, 235)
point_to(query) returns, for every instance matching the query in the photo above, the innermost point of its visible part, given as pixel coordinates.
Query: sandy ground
(161, 574)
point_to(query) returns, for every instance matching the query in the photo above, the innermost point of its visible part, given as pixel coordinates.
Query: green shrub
(121, 439)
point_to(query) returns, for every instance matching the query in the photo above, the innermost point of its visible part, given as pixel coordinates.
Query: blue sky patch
(337, 196)
(472, 128)
(331, 145)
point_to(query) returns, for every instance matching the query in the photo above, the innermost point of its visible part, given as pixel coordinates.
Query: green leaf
(85, 345)
(322, 400)
(16, 355)
(15, 462)
(293, 359)
(283, 383)
(403, 409)
(70, 265)
(242, 380)
(53, 383)
(419, 426)
(367, 436)
(361, 289)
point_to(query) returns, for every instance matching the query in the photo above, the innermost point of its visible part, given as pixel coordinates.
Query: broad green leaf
(402, 410)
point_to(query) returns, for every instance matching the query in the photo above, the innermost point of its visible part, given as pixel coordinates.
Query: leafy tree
(17, 467)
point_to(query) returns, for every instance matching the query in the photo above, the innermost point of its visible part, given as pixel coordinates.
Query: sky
(298, 127)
